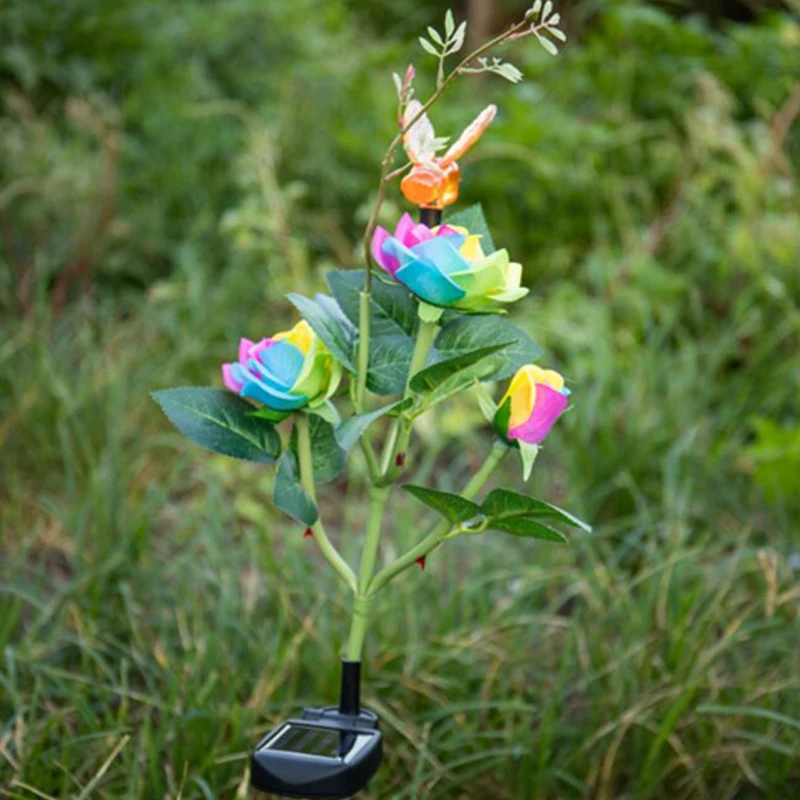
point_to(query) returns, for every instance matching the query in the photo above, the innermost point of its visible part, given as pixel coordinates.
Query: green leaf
(458, 38)
(270, 414)
(508, 71)
(221, 422)
(452, 507)
(328, 412)
(528, 453)
(393, 309)
(288, 494)
(548, 45)
(505, 504)
(501, 420)
(327, 458)
(402, 406)
(528, 527)
(428, 47)
(430, 378)
(351, 430)
(330, 324)
(389, 363)
(465, 334)
(393, 326)
(486, 402)
(449, 23)
(434, 34)
(472, 218)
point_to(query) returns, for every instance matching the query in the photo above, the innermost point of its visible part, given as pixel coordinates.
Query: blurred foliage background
(169, 170)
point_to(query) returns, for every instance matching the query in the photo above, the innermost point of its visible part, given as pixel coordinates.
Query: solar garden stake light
(419, 325)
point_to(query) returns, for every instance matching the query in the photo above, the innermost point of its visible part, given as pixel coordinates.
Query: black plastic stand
(326, 752)
(430, 216)
(350, 692)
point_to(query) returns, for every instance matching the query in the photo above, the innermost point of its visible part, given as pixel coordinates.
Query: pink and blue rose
(290, 370)
(446, 266)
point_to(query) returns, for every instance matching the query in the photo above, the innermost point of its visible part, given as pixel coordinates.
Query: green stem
(370, 457)
(363, 350)
(307, 481)
(401, 430)
(425, 336)
(358, 628)
(379, 494)
(369, 556)
(498, 452)
(440, 531)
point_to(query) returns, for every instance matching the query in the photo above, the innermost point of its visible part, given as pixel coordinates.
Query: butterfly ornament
(433, 180)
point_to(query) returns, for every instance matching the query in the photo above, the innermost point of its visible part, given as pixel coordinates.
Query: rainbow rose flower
(291, 370)
(446, 266)
(535, 399)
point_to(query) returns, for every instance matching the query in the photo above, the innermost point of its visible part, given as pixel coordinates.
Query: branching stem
(440, 531)
(367, 583)
(388, 158)
(307, 481)
(401, 430)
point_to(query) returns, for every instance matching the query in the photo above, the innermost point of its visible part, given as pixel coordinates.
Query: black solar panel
(306, 739)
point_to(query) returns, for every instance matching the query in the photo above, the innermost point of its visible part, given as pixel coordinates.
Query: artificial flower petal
(513, 275)
(282, 362)
(315, 375)
(301, 336)
(228, 379)
(245, 345)
(384, 260)
(442, 252)
(470, 280)
(404, 230)
(471, 249)
(421, 233)
(522, 393)
(279, 401)
(485, 276)
(395, 249)
(291, 370)
(429, 283)
(549, 406)
(509, 295)
(535, 399)
(549, 377)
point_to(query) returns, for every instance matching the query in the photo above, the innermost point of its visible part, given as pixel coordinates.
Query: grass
(157, 615)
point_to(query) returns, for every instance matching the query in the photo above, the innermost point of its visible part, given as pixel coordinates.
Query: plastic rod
(430, 216)
(350, 696)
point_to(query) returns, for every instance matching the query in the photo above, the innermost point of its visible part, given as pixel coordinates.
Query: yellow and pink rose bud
(535, 399)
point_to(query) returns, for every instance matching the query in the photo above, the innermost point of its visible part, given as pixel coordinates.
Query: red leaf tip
(400, 459)
(421, 561)
(309, 534)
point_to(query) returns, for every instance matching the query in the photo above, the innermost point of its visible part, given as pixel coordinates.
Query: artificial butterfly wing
(471, 134)
(419, 140)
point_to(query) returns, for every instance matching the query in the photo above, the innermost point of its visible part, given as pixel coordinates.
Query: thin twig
(395, 143)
